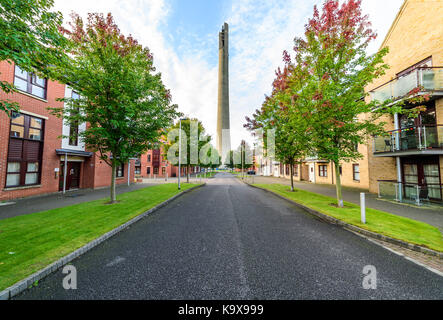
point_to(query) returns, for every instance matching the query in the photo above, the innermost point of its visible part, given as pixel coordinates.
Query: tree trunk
(187, 173)
(338, 185)
(113, 195)
(292, 177)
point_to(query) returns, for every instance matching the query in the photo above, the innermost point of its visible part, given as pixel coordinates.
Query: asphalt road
(230, 241)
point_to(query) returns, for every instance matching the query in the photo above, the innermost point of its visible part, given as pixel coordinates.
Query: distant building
(153, 164)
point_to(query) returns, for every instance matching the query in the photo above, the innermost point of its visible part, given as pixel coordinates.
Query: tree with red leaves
(333, 52)
(285, 112)
(122, 99)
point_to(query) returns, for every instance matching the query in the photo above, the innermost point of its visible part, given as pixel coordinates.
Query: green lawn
(31, 242)
(397, 227)
(210, 174)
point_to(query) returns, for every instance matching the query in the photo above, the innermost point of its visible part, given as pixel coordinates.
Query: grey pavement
(431, 216)
(58, 200)
(230, 241)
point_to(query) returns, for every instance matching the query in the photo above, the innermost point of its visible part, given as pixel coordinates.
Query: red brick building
(154, 164)
(32, 154)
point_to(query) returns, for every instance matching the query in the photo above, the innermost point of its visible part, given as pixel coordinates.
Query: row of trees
(122, 97)
(242, 158)
(196, 147)
(317, 106)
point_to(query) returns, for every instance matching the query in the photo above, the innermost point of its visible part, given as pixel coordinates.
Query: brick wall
(416, 35)
(171, 170)
(103, 173)
(53, 127)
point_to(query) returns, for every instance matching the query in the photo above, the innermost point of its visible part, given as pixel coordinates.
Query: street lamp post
(179, 154)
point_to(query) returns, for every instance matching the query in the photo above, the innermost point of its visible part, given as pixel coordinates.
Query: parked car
(251, 173)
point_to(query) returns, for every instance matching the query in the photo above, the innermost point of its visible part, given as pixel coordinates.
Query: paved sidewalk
(58, 200)
(431, 216)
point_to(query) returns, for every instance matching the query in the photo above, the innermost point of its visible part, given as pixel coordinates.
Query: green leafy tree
(229, 161)
(333, 53)
(30, 37)
(213, 157)
(122, 99)
(195, 145)
(243, 156)
(283, 112)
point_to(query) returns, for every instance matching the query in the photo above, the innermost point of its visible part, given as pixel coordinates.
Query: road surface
(230, 241)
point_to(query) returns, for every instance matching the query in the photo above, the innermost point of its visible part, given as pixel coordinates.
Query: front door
(312, 172)
(72, 175)
(424, 174)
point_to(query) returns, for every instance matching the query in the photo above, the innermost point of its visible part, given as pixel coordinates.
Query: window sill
(31, 95)
(22, 187)
(119, 178)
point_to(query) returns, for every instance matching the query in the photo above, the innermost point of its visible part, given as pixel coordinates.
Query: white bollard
(363, 207)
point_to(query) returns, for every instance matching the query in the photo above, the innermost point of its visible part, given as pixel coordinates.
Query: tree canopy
(122, 99)
(29, 37)
(196, 149)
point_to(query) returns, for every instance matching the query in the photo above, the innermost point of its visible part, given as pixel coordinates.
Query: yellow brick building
(408, 163)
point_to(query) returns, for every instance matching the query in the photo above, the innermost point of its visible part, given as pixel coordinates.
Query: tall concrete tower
(223, 121)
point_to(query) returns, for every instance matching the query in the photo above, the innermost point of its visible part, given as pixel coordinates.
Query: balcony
(430, 79)
(410, 192)
(421, 140)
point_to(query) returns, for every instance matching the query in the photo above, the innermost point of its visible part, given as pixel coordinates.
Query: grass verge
(31, 242)
(208, 175)
(385, 223)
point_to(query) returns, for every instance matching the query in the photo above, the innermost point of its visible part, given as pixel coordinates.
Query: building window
(121, 171)
(30, 83)
(356, 171)
(163, 171)
(323, 171)
(25, 151)
(155, 170)
(149, 158)
(341, 170)
(287, 170)
(138, 170)
(295, 170)
(73, 126)
(148, 170)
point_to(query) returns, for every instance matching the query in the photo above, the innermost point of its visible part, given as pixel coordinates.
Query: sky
(183, 36)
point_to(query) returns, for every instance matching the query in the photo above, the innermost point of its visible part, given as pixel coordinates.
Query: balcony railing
(421, 138)
(429, 78)
(410, 192)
